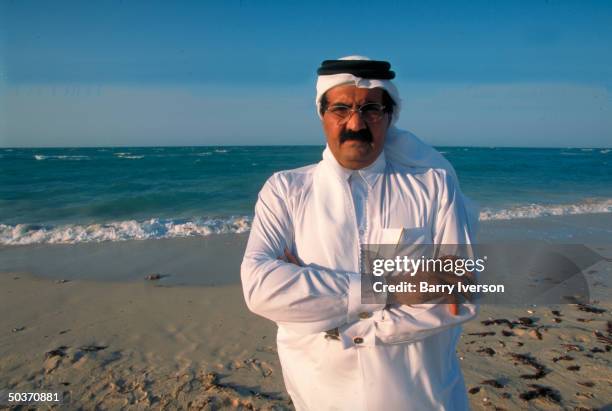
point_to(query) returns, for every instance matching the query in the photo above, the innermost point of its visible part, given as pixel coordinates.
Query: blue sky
(534, 73)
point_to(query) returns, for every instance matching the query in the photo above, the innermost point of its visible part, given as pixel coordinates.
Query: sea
(74, 195)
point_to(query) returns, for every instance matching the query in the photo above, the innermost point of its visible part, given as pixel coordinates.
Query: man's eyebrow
(340, 103)
(351, 104)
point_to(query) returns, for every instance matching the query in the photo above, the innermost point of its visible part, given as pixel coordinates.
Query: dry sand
(161, 344)
(107, 345)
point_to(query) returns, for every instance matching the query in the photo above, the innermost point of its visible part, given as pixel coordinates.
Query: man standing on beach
(376, 184)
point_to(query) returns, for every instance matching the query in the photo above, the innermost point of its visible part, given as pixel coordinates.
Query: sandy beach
(82, 320)
(142, 141)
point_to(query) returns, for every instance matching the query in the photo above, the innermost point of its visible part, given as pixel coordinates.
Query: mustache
(364, 135)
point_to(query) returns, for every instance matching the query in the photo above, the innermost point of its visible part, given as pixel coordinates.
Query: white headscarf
(401, 146)
(327, 82)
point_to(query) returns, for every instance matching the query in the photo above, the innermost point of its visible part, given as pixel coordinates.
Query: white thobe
(386, 357)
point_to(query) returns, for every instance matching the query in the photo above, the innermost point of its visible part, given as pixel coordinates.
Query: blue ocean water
(94, 194)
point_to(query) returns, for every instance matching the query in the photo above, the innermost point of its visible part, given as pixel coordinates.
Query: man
(375, 185)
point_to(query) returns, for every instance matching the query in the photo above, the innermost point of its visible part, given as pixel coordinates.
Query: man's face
(356, 143)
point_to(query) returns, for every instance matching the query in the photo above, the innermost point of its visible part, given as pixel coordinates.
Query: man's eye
(371, 108)
(341, 111)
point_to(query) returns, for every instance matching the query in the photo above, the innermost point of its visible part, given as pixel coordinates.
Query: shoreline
(215, 259)
(212, 260)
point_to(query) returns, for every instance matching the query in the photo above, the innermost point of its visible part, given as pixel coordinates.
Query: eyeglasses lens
(370, 113)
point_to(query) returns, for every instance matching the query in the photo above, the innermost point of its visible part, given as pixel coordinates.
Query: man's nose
(355, 122)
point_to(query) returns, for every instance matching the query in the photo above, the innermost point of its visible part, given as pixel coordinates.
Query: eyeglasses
(369, 112)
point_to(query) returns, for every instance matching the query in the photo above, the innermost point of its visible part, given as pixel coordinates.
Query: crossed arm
(313, 299)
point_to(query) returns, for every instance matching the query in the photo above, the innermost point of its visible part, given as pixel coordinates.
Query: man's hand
(433, 278)
(290, 258)
(419, 297)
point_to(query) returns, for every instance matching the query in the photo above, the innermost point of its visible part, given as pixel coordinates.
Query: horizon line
(290, 145)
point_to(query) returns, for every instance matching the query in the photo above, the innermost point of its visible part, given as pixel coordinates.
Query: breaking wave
(63, 157)
(21, 234)
(588, 206)
(156, 228)
(128, 156)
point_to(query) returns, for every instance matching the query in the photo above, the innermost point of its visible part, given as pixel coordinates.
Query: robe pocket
(415, 235)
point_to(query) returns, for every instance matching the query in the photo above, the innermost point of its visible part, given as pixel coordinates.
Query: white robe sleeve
(304, 299)
(404, 323)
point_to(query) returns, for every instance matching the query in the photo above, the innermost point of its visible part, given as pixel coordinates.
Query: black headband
(370, 69)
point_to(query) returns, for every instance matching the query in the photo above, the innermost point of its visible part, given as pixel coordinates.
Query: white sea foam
(63, 157)
(128, 156)
(589, 206)
(605, 151)
(154, 228)
(221, 151)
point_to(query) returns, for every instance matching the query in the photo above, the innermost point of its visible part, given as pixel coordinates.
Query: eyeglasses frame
(344, 120)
